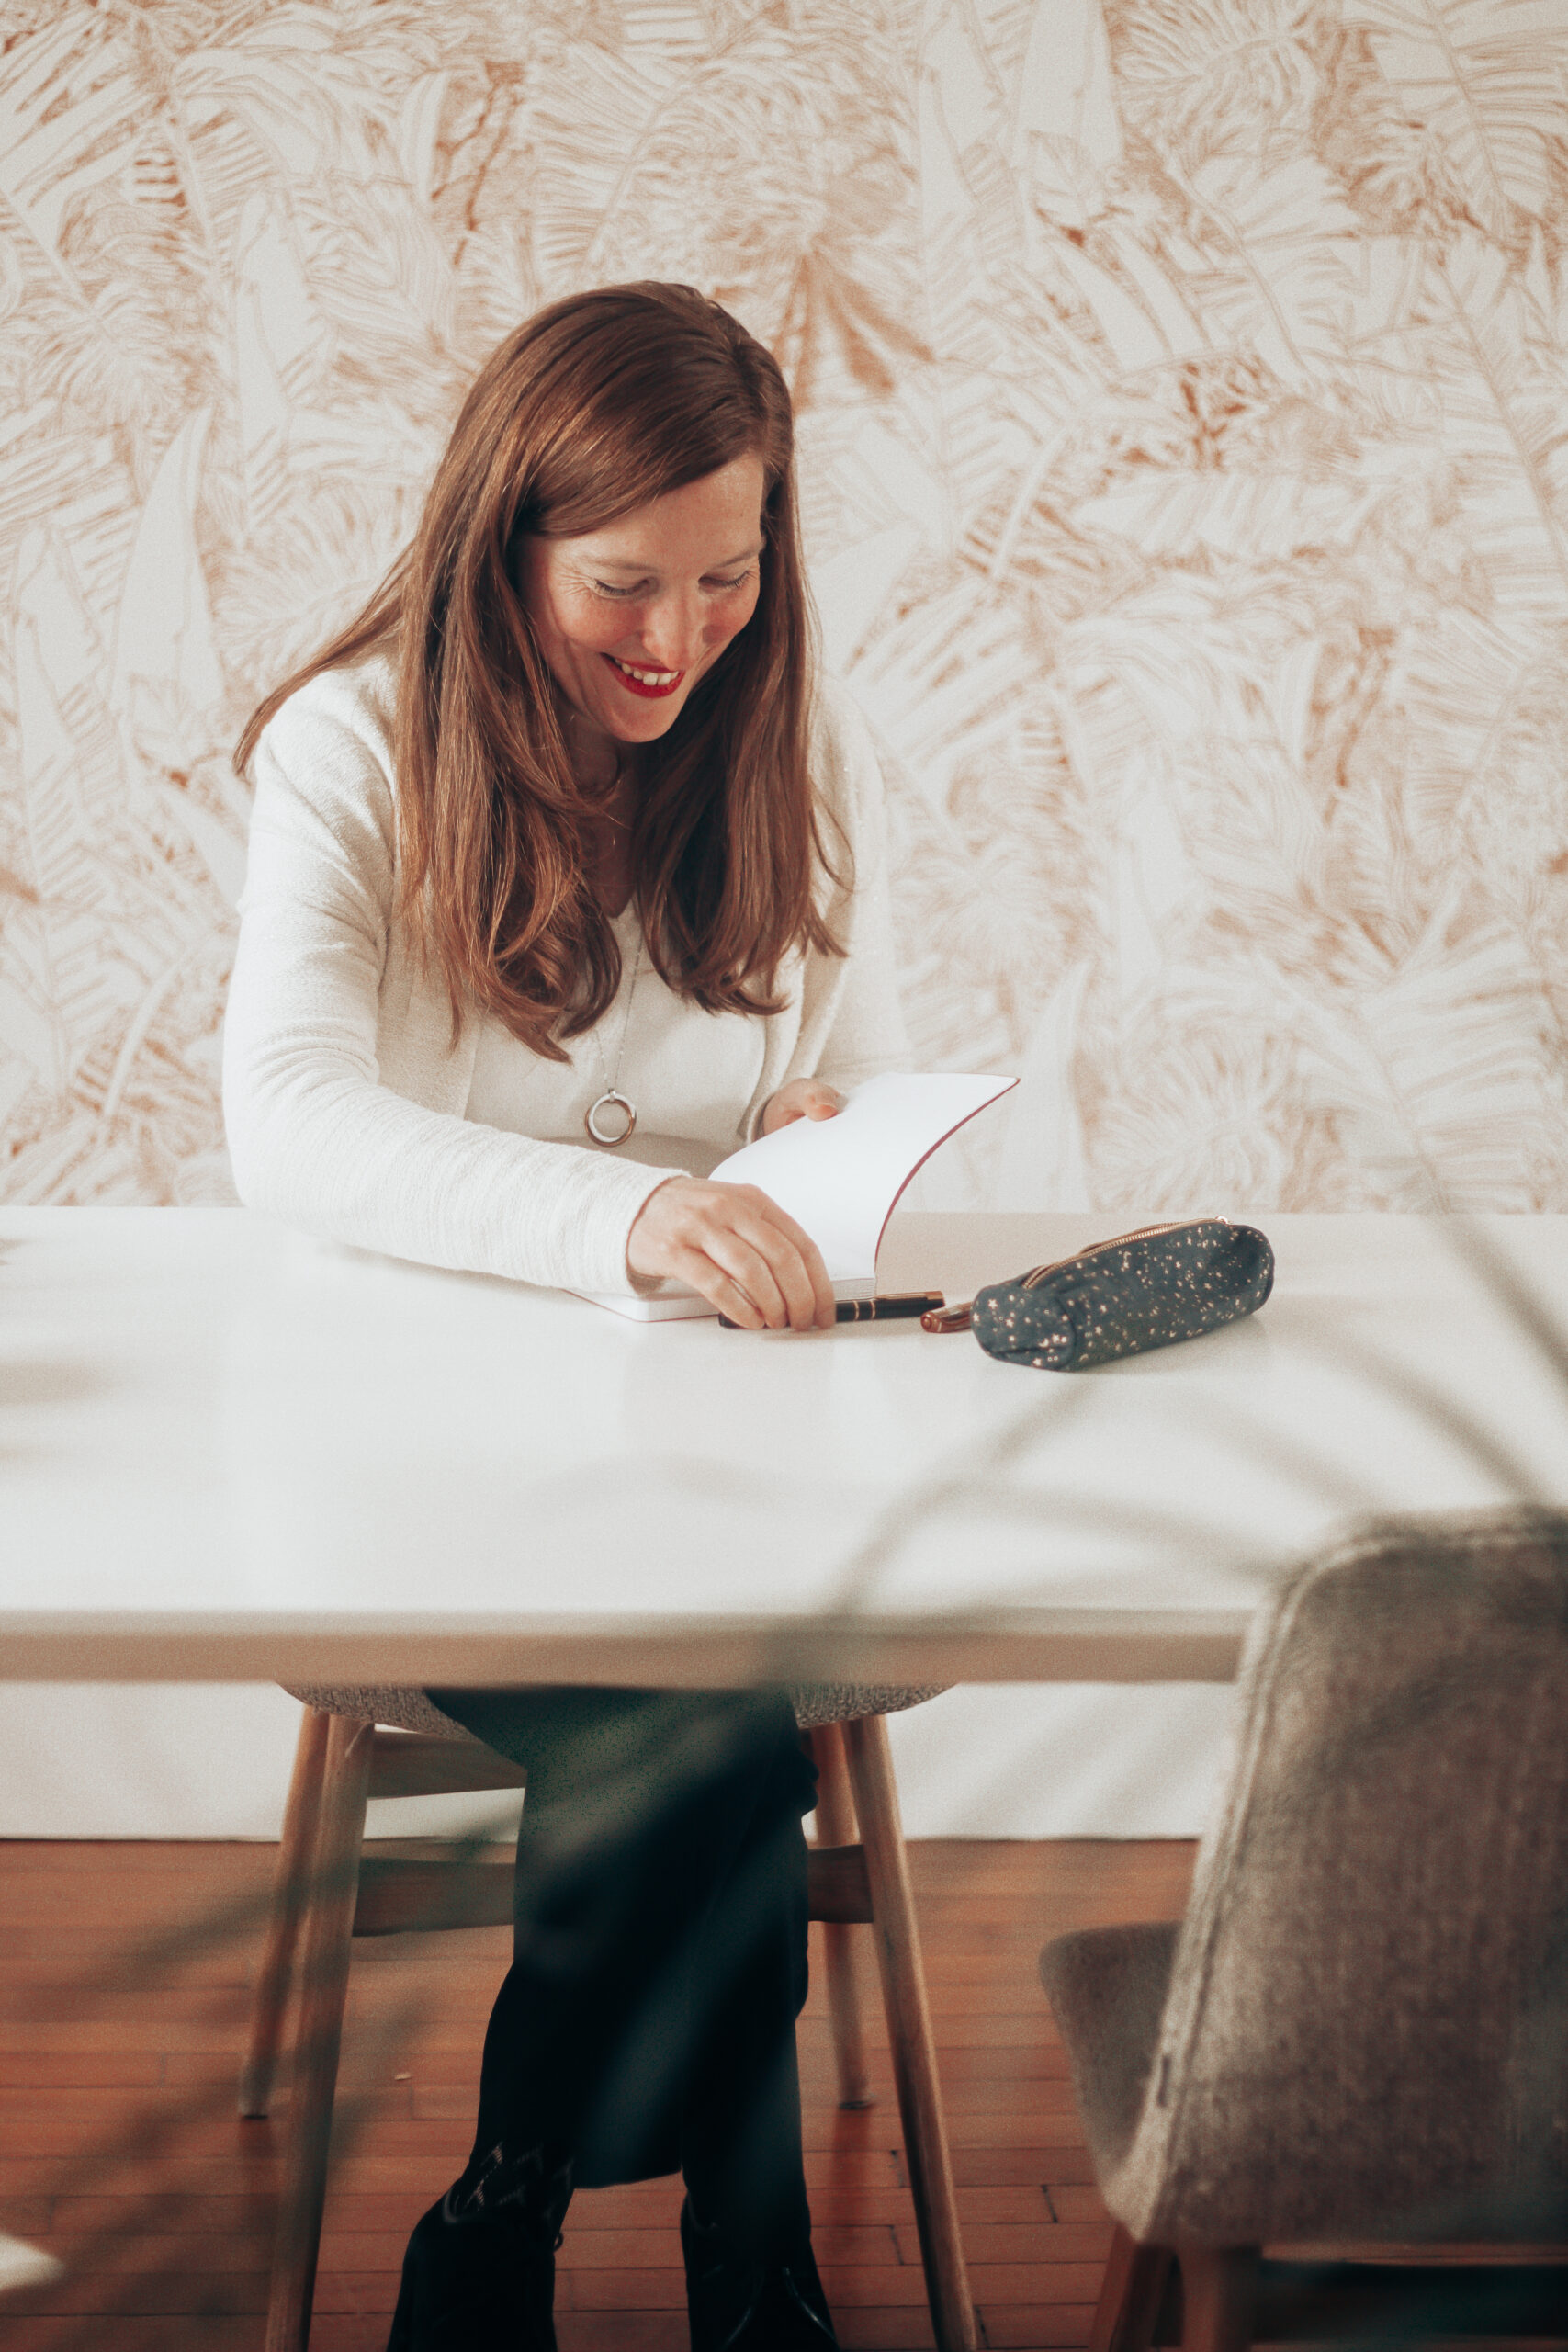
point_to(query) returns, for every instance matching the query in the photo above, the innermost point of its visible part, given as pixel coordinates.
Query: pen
(869, 1310)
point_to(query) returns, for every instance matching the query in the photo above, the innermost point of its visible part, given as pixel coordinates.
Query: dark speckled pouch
(1124, 1296)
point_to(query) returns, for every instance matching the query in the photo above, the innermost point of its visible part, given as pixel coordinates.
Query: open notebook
(839, 1178)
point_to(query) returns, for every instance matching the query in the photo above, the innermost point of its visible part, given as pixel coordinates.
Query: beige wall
(1182, 390)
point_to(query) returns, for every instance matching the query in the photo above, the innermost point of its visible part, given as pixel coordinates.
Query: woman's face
(631, 617)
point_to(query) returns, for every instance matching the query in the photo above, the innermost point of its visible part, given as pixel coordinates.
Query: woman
(555, 848)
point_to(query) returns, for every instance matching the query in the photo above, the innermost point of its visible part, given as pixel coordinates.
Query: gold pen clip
(947, 1318)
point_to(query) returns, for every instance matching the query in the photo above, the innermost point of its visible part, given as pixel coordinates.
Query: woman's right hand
(737, 1249)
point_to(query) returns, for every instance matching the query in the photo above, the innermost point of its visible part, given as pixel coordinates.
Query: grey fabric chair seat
(1359, 2031)
(406, 1708)
(1108, 1988)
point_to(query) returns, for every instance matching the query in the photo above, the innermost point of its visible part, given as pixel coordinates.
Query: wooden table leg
(836, 1826)
(909, 2031)
(294, 1862)
(323, 1992)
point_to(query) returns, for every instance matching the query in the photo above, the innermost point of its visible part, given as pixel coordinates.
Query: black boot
(479, 2272)
(737, 2302)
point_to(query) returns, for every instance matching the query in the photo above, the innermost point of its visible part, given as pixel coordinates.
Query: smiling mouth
(652, 684)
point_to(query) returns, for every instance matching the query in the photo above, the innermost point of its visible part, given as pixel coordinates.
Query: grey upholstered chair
(1356, 2035)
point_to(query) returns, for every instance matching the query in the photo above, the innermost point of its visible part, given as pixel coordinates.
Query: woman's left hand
(803, 1098)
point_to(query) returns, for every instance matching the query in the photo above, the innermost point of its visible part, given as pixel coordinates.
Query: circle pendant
(612, 1102)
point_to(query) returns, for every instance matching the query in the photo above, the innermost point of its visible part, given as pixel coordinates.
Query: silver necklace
(620, 1109)
(612, 1100)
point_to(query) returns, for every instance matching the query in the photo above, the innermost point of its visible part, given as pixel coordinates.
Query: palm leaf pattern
(1183, 389)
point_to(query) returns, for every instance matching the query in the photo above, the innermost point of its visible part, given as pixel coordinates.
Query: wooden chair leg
(1219, 2297)
(836, 1826)
(288, 1895)
(1130, 2296)
(910, 2032)
(329, 1925)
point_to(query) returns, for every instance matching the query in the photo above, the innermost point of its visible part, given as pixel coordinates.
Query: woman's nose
(673, 633)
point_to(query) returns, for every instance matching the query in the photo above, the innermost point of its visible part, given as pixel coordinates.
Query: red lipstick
(636, 686)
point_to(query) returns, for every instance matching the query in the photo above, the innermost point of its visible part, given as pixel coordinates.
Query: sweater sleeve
(316, 1138)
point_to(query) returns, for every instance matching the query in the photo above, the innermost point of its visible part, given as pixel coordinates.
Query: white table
(230, 1452)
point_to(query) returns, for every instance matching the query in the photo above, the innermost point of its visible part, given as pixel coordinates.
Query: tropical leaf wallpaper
(1184, 404)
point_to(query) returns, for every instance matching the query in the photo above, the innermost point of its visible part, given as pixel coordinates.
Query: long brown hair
(593, 408)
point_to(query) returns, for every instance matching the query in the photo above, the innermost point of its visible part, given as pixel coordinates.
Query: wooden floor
(124, 1976)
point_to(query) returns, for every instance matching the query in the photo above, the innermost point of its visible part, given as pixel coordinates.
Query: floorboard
(123, 1997)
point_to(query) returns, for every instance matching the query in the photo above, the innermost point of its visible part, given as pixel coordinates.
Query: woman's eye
(640, 587)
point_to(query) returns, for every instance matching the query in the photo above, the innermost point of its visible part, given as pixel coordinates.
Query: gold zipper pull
(957, 1319)
(1095, 1248)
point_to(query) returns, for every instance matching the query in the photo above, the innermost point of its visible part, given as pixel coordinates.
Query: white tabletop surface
(228, 1451)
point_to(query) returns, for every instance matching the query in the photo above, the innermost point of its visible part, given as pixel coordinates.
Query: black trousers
(646, 2024)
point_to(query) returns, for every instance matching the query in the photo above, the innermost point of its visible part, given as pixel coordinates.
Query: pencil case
(1120, 1298)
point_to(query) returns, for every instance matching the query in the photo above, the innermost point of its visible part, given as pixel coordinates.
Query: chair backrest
(1365, 2030)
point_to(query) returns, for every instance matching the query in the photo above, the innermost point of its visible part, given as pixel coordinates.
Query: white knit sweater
(343, 1094)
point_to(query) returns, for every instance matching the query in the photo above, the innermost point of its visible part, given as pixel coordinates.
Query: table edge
(1099, 1645)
